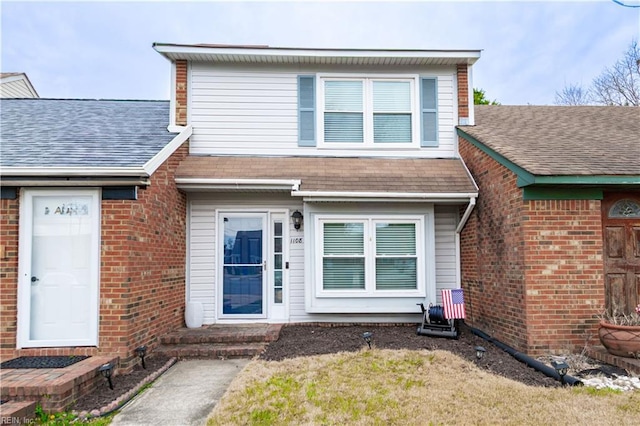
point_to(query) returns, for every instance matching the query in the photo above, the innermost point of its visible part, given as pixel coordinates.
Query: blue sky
(103, 49)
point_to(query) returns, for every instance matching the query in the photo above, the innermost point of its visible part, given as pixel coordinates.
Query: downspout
(465, 216)
(459, 228)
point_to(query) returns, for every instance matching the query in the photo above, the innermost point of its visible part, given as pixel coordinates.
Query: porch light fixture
(367, 336)
(297, 219)
(561, 368)
(141, 352)
(106, 370)
(480, 351)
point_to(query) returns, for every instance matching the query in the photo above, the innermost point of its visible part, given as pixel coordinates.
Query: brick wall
(143, 265)
(9, 215)
(181, 93)
(142, 270)
(564, 273)
(492, 256)
(463, 91)
(532, 271)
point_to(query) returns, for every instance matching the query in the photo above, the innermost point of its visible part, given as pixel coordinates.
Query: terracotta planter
(620, 340)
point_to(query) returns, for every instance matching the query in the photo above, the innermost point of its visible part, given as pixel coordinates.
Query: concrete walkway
(184, 395)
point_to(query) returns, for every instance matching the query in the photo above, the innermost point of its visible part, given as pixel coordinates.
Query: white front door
(59, 268)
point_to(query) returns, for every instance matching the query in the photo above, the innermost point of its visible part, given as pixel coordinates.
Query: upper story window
(368, 111)
(337, 111)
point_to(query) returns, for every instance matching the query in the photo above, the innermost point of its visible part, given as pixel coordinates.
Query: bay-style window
(369, 112)
(370, 256)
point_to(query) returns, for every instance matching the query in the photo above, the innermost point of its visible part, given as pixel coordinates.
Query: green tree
(479, 98)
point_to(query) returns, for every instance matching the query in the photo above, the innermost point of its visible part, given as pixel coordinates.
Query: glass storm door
(243, 269)
(59, 275)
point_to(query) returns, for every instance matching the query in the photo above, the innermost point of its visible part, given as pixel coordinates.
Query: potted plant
(620, 333)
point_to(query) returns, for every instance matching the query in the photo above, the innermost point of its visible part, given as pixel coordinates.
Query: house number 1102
(296, 240)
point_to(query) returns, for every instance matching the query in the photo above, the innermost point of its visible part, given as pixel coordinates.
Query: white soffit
(268, 55)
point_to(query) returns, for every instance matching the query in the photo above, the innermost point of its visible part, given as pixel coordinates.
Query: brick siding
(532, 271)
(142, 270)
(463, 91)
(9, 218)
(564, 273)
(181, 92)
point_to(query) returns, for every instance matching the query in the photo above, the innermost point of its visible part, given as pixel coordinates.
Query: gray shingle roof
(562, 140)
(81, 133)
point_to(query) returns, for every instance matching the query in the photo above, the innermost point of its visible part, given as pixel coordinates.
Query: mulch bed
(102, 395)
(308, 340)
(57, 361)
(301, 340)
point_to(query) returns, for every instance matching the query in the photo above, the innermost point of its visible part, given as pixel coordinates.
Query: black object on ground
(57, 361)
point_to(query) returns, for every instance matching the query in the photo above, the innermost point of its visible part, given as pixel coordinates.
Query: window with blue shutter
(306, 110)
(429, 112)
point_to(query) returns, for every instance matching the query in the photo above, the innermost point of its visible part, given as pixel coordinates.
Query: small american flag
(453, 302)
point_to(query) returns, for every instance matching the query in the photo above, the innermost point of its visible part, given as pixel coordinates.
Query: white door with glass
(243, 265)
(58, 292)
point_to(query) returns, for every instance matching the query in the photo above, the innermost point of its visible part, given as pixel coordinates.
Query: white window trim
(367, 79)
(370, 255)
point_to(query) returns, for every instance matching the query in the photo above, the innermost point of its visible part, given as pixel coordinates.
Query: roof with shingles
(81, 132)
(562, 140)
(339, 174)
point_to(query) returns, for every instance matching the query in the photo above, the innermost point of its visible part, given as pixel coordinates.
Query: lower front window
(371, 256)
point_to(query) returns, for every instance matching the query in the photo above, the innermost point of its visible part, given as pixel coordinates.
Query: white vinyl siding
(202, 253)
(16, 89)
(201, 278)
(240, 112)
(446, 220)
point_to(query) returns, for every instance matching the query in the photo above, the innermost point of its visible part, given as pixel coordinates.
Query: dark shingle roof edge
(584, 141)
(90, 134)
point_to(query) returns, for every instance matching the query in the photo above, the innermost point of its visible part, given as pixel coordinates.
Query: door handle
(34, 279)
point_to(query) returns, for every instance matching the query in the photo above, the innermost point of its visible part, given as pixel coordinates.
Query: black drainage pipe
(536, 365)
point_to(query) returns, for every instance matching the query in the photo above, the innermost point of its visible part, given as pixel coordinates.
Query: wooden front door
(621, 233)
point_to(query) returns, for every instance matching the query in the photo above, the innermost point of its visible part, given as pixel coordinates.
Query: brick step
(17, 412)
(54, 388)
(211, 350)
(253, 333)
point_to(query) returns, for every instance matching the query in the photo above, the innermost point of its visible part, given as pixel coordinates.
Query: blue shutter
(306, 110)
(429, 112)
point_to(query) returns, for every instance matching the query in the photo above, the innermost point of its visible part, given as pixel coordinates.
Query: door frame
(220, 261)
(626, 266)
(25, 250)
(269, 308)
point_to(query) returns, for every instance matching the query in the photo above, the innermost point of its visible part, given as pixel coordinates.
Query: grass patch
(403, 387)
(66, 418)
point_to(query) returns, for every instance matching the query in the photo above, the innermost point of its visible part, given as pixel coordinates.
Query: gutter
(75, 182)
(451, 196)
(72, 171)
(238, 184)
